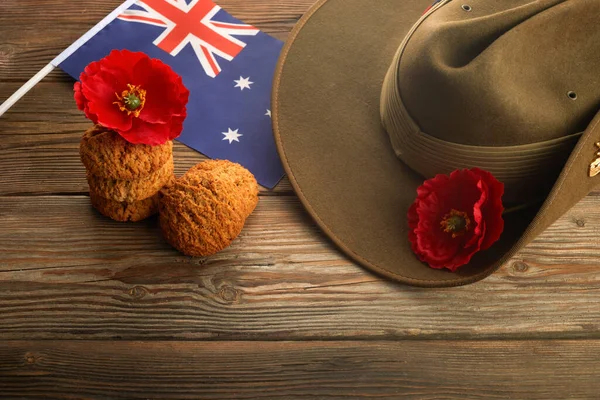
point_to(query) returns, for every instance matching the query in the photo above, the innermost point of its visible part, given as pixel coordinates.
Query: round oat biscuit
(246, 187)
(205, 210)
(123, 211)
(131, 190)
(107, 155)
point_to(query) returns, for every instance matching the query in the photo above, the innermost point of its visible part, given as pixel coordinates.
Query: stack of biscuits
(124, 178)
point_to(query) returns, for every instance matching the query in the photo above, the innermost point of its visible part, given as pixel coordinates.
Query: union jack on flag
(227, 66)
(180, 20)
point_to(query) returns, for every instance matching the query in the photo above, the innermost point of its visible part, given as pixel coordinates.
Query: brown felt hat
(373, 97)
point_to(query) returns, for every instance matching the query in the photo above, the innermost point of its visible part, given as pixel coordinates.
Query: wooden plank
(290, 370)
(66, 272)
(33, 33)
(39, 151)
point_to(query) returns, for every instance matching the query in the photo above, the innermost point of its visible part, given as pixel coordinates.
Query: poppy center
(456, 223)
(131, 100)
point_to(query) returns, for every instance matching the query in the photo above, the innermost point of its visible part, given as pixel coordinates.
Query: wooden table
(91, 308)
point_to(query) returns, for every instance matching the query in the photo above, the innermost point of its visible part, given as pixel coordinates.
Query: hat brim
(339, 160)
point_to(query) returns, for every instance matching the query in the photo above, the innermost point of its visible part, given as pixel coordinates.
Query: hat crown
(503, 73)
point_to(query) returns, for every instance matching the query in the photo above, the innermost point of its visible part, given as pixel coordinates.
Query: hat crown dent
(504, 73)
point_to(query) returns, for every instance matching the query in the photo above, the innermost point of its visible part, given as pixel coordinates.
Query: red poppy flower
(140, 98)
(456, 216)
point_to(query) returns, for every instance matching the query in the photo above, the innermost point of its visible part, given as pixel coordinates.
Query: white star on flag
(232, 135)
(243, 83)
(268, 113)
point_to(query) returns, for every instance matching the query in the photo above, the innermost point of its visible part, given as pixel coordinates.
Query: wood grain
(289, 370)
(66, 272)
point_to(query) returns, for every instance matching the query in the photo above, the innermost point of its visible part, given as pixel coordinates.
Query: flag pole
(8, 103)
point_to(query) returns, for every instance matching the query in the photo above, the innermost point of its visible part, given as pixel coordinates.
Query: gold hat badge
(595, 165)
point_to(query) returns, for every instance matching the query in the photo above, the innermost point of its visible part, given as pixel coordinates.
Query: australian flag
(227, 66)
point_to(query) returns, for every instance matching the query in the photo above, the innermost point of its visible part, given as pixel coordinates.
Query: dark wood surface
(91, 308)
(414, 369)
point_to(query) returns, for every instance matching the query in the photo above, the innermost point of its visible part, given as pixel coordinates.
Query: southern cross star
(243, 83)
(232, 135)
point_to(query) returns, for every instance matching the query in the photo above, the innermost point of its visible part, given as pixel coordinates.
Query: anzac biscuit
(131, 190)
(246, 188)
(123, 211)
(203, 211)
(107, 155)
